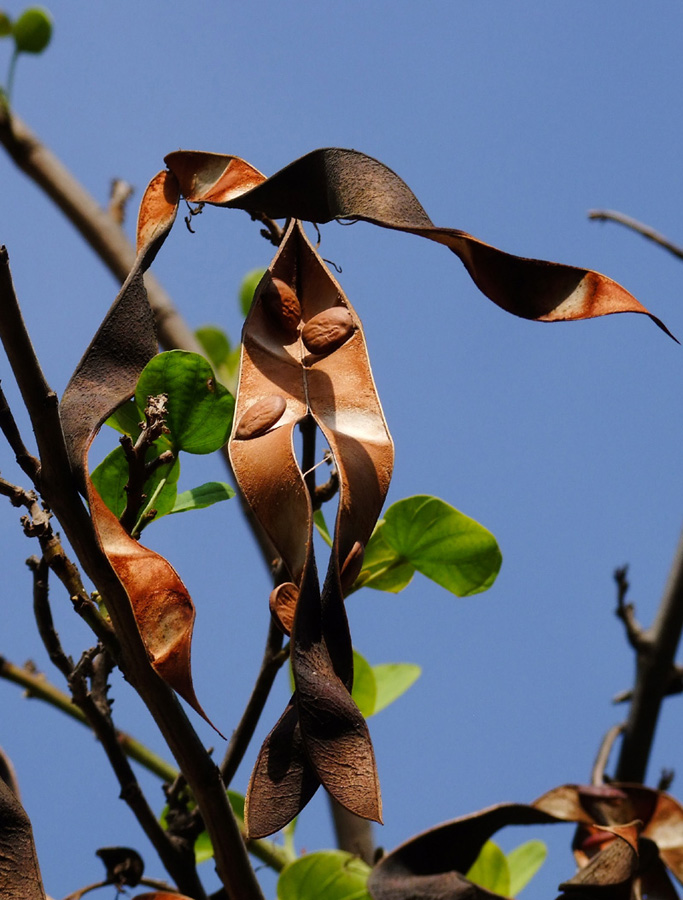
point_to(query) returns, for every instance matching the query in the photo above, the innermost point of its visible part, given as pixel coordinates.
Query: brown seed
(260, 417)
(282, 603)
(352, 566)
(282, 305)
(328, 330)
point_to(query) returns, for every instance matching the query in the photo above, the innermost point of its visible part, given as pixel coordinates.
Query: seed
(352, 566)
(282, 305)
(282, 603)
(261, 416)
(328, 330)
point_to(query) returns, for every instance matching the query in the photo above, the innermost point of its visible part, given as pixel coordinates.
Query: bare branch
(607, 215)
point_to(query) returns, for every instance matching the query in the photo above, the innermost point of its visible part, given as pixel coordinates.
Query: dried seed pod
(353, 563)
(283, 600)
(328, 330)
(261, 416)
(282, 305)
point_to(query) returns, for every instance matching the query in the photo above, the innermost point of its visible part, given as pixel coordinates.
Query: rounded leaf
(332, 874)
(364, 689)
(111, 477)
(200, 409)
(32, 31)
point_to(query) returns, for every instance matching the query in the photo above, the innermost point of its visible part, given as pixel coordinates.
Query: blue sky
(507, 120)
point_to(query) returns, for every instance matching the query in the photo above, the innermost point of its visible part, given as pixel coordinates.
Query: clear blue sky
(508, 120)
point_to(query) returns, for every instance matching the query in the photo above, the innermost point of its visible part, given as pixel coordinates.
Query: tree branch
(607, 215)
(654, 665)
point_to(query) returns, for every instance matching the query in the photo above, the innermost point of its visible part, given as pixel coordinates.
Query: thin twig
(273, 659)
(601, 760)
(607, 215)
(28, 463)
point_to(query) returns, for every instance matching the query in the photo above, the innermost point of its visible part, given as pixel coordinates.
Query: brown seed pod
(283, 600)
(282, 305)
(328, 330)
(261, 416)
(352, 566)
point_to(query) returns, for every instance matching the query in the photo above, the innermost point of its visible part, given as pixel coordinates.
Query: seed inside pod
(282, 305)
(328, 330)
(352, 566)
(261, 416)
(282, 603)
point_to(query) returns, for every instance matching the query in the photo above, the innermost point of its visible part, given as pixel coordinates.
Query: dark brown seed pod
(282, 603)
(261, 416)
(328, 330)
(353, 563)
(282, 305)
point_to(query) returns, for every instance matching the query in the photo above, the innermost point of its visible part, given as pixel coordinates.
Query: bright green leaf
(5, 25)
(392, 680)
(126, 419)
(364, 691)
(523, 863)
(442, 543)
(490, 870)
(203, 496)
(321, 525)
(215, 344)
(248, 287)
(383, 568)
(111, 477)
(200, 409)
(32, 30)
(328, 874)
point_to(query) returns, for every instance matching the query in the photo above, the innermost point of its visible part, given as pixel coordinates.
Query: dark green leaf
(523, 863)
(392, 680)
(442, 543)
(248, 287)
(200, 409)
(364, 689)
(5, 25)
(383, 568)
(203, 496)
(328, 874)
(111, 477)
(32, 30)
(490, 870)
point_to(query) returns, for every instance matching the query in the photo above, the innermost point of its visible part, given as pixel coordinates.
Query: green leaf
(490, 870)
(321, 525)
(5, 25)
(248, 287)
(383, 568)
(200, 409)
(203, 496)
(111, 477)
(217, 349)
(328, 874)
(523, 863)
(126, 419)
(364, 690)
(32, 30)
(391, 681)
(442, 543)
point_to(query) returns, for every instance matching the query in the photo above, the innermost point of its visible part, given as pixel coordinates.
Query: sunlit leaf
(248, 287)
(203, 496)
(384, 569)
(321, 525)
(200, 409)
(442, 543)
(392, 680)
(490, 870)
(523, 863)
(328, 874)
(224, 358)
(32, 31)
(111, 477)
(364, 690)
(127, 419)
